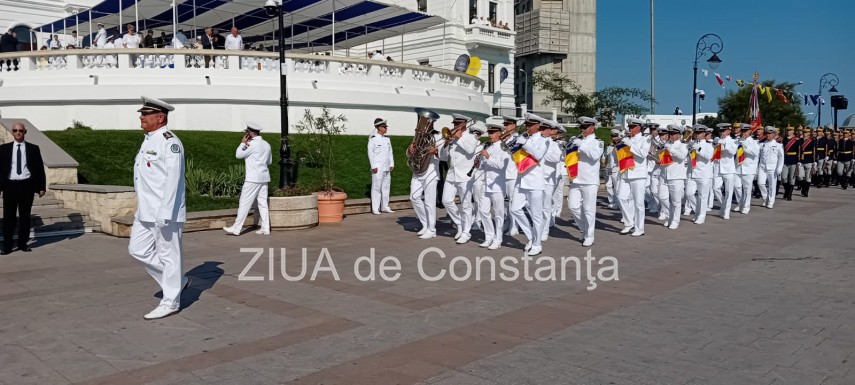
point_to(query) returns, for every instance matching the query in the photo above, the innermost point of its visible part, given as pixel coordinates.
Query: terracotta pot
(331, 206)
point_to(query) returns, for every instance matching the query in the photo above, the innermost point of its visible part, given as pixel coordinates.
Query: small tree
(605, 104)
(319, 134)
(734, 107)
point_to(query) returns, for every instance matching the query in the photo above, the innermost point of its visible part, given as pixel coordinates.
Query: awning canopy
(308, 23)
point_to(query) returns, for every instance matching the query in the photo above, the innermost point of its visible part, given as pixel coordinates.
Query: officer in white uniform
(460, 155)
(691, 192)
(582, 199)
(554, 155)
(257, 157)
(674, 175)
(634, 180)
(727, 169)
(161, 212)
(477, 174)
(494, 163)
(702, 172)
(561, 176)
(770, 165)
(530, 185)
(658, 189)
(382, 162)
(101, 36)
(510, 124)
(613, 169)
(423, 191)
(748, 169)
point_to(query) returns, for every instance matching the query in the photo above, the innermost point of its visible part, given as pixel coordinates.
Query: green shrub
(78, 125)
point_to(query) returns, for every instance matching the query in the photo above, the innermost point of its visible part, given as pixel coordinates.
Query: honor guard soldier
(674, 170)
(494, 162)
(770, 165)
(807, 159)
(459, 151)
(382, 162)
(257, 157)
(634, 179)
(161, 212)
(531, 182)
(582, 198)
(702, 170)
(820, 156)
(791, 163)
(845, 148)
(831, 138)
(727, 169)
(746, 168)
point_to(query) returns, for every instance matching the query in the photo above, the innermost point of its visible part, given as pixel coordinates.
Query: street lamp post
(828, 79)
(714, 46)
(287, 177)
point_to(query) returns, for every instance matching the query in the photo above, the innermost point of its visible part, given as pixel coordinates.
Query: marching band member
(658, 189)
(770, 165)
(477, 175)
(727, 169)
(582, 199)
(423, 190)
(554, 154)
(807, 157)
(746, 168)
(821, 156)
(702, 170)
(791, 163)
(691, 186)
(510, 125)
(845, 147)
(382, 162)
(561, 177)
(612, 169)
(633, 180)
(530, 183)
(460, 154)
(673, 170)
(495, 162)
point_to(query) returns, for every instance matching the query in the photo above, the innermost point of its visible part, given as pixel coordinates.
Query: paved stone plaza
(765, 298)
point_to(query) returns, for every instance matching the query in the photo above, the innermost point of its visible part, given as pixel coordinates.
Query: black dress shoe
(4, 252)
(25, 249)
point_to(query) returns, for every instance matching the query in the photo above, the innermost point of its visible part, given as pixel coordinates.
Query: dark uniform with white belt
(820, 155)
(807, 159)
(791, 163)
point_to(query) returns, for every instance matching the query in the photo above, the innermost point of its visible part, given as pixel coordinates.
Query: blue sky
(782, 40)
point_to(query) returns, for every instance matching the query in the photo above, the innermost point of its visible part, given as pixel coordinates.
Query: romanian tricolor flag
(665, 158)
(740, 154)
(716, 155)
(694, 156)
(522, 158)
(624, 155)
(571, 161)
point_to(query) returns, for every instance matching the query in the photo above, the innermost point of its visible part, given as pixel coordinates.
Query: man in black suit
(22, 175)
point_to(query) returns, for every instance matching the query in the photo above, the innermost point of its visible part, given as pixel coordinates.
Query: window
(491, 81)
(422, 5)
(496, 112)
(493, 6)
(558, 65)
(473, 11)
(424, 62)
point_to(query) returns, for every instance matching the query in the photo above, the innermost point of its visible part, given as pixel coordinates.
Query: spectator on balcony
(111, 42)
(54, 43)
(378, 55)
(131, 39)
(219, 40)
(161, 41)
(148, 40)
(182, 38)
(208, 38)
(101, 36)
(474, 20)
(9, 43)
(493, 22)
(389, 58)
(74, 41)
(233, 40)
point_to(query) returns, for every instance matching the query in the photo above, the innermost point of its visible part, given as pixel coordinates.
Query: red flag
(719, 79)
(781, 95)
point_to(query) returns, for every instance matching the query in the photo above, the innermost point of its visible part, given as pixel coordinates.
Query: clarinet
(477, 160)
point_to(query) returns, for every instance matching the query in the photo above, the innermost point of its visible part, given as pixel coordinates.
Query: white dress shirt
(257, 157)
(550, 161)
(131, 41)
(159, 178)
(380, 152)
(460, 154)
(534, 178)
(639, 146)
(590, 153)
(749, 165)
(677, 169)
(234, 42)
(703, 167)
(771, 156)
(495, 168)
(25, 171)
(727, 164)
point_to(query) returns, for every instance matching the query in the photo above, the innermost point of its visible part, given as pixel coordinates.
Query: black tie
(19, 160)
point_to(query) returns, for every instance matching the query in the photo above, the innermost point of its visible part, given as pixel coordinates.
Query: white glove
(627, 141)
(160, 223)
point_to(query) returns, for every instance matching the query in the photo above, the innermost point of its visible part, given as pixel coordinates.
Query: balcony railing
(487, 35)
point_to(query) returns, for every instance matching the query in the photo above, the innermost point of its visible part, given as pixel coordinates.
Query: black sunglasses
(18, 130)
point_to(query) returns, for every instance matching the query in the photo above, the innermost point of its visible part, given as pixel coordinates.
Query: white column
(137, 16)
(333, 27)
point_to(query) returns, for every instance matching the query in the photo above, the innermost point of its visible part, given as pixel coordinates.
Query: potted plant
(293, 208)
(319, 132)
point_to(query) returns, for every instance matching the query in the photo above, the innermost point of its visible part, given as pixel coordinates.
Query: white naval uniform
(550, 165)
(257, 158)
(747, 171)
(689, 196)
(161, 212)
(727, 170)
(702, 174)
(423, 193)
(770, 164)
(633, 181)
(510, 191)
(582, 198)
(380, 157)
(460, 154)
(101, 38)
(529, 191)
(675, 175)
(613, 170)
(495, 188)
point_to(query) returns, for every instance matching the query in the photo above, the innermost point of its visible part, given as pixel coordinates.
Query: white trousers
(253, 193)
(494, 224)
(743, 192)
(160, 251)
(726, 199)
(510, 190)
(715, 191)
(663, 197)
(547, 209)
(632, 204)
(676, 188)
(624, 197)
(534, 200)
(461, 216)
(691, 196)
(611, 188)
(423, 198)
(558, 198)
(582, 202)
(768, 183)
(380, 182)
(703, 196)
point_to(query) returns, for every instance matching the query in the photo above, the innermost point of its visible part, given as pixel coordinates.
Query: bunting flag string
(814, 99)
(718, 78)
(706, 72)
(784, 95)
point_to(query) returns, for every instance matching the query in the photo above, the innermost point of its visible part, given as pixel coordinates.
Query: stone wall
(101, 202)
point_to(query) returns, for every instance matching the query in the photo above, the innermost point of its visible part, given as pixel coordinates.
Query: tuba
(419, 158)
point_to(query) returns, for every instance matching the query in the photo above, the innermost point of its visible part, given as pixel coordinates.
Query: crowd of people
(105, 39)
(489, 22)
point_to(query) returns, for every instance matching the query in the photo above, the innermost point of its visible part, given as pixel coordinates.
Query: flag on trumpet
(694, 156)
(716, 155)
(740, 155)
(571, 161)
(665, 158)
(522, 158)
(624, 155)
